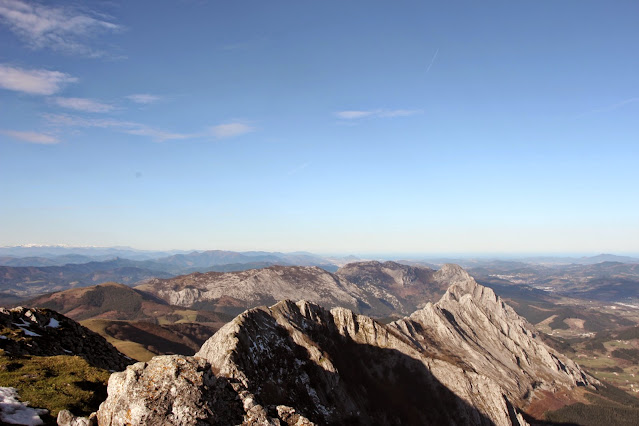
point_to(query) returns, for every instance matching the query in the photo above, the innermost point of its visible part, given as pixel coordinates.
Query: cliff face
(234, 292)
(468, 359)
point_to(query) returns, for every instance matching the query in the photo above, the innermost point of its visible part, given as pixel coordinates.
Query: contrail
(432, 61)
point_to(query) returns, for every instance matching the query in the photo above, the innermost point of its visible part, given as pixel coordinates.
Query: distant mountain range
(45, 269)
(96, 253)
(475, 262)
(176, 261)
(28, 281)
(49, 271)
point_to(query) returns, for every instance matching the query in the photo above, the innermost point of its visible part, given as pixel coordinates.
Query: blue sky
(332, 126)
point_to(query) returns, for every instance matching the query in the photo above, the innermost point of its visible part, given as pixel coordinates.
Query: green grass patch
(597, 363)
(55, 383)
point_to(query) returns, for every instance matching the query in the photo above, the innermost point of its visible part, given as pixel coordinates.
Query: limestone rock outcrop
(170, 389)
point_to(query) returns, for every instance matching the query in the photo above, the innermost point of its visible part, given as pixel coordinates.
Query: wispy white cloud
(381, 113)
(59, 28)
(351, 115)
(221, 131)
(83, 104)
(128, 127)
(229, 130)
(158, 135)
(35, 82)
(143, 98)
(31, 137)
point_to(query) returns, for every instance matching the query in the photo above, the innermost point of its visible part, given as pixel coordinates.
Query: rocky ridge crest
(468, 359)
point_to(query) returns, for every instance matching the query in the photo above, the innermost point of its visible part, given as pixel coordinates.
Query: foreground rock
(170, 390)
(298, 363)
(43, 332)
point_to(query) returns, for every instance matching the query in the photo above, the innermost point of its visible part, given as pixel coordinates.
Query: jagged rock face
(472, 325)
(454, 362)
(43, 332)
(337, 367)
(237, 291)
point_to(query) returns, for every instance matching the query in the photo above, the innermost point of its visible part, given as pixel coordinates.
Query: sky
(327, 126)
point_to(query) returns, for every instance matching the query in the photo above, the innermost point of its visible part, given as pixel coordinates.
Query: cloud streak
(221, 131)
(376, 113)
(31, 137)
(432, 61)
(128, 127)
(58, 28)
(83, 104)
(34, 82)
(143, 98)
(229, 130)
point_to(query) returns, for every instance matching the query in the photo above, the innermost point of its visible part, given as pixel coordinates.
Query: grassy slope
(609, 406)
(55, 383)
(131, 349)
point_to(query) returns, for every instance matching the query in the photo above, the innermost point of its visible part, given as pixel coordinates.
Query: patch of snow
(53, 323)
(69, 352)
(22, 324)
(15, 412)
(30, 333)
(3, 337)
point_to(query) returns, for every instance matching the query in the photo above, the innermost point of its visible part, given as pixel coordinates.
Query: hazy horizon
(351, 127)
(364, 254)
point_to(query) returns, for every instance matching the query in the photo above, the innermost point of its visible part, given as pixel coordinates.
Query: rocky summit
(467, 359)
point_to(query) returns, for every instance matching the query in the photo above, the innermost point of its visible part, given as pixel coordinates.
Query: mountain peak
(470, 322)
(458, 280)
(452, 272)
